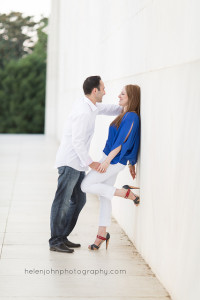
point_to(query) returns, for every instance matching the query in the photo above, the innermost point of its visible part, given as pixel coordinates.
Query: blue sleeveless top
(117, 137)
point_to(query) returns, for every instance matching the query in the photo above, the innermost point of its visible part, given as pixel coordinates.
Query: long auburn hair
(133, 93)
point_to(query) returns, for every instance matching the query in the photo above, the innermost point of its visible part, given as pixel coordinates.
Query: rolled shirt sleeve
(109, 109)
(80, 137)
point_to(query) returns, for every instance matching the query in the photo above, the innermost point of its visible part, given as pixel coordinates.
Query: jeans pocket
(61, 170)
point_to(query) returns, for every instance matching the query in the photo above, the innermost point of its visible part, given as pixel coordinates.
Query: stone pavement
(28, 270)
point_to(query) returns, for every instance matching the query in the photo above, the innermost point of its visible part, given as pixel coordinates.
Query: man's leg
(67, 180)
(78, 200)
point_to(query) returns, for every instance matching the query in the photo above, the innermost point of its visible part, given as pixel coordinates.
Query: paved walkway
(28, 270)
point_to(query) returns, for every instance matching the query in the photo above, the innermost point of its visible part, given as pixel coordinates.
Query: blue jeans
(68, 202)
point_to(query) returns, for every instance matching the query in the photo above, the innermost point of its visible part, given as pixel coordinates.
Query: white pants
(102, 184)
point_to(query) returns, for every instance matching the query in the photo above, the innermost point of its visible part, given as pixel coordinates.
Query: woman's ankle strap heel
(127, 194)
(101, 237)
(137, 198)
(95, 247)
(131, 187)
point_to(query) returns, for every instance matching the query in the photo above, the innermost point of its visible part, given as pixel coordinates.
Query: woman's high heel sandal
(128, 188)
(95, 247)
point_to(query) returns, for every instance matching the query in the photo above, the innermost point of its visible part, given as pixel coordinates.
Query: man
(72, 161)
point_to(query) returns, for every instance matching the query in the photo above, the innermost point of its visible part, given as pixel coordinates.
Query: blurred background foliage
(23, 44)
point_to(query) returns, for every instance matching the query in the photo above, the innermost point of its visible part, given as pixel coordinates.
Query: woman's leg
(102, 184)
(105, 211)
(97, 183)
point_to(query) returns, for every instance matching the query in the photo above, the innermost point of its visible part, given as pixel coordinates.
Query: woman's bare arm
(112, 154)
(104, 165)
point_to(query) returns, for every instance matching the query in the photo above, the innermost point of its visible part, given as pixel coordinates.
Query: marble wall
(155, 44)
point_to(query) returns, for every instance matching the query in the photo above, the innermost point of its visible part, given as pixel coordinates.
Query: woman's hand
(103, 167)
(132, 171)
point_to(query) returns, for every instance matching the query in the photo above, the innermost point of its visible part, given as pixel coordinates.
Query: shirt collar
(92, 106)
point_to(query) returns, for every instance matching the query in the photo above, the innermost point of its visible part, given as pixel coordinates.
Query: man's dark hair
(90, 83)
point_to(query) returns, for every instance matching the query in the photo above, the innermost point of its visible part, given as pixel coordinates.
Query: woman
(122, 146)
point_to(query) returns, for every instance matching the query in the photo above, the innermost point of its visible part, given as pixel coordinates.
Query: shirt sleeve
(125, 133)
(80, 136)
(109, 109)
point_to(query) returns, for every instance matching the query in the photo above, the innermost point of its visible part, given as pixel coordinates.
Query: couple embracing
(73, 159)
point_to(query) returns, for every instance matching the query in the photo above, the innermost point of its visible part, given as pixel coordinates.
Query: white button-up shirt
(78, 131)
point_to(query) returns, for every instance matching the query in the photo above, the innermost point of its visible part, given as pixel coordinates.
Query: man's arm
(109, 109)
(94, 165)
